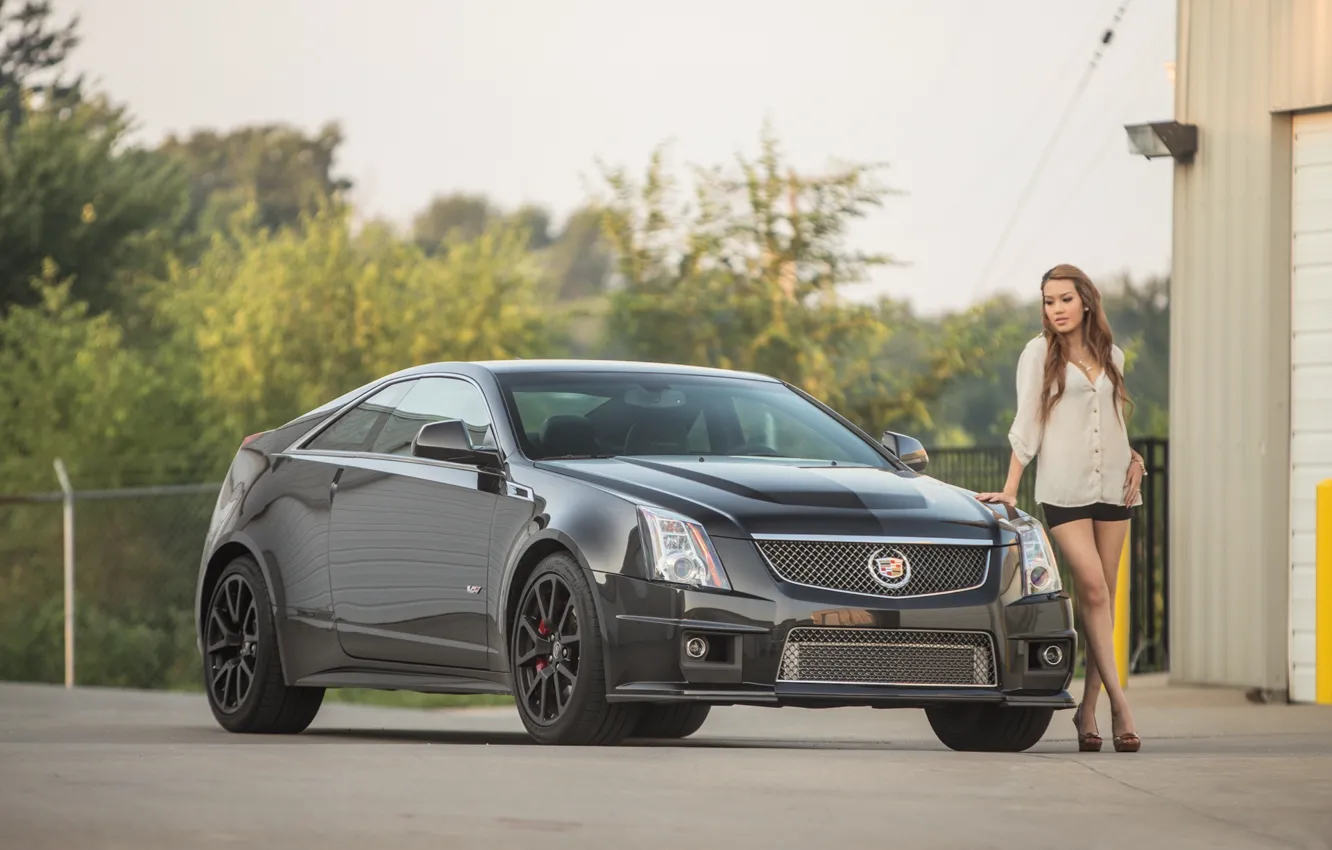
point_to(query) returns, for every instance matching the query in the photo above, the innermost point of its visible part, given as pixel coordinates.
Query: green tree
(74, 389)
(533, 220)
(276, 323)
(1139, 312)
(73, 190)
(578, 262)
(282, 170)
(456, 217)
(927, 374)
(977, 349)
(72, 187)
(748, 280)
(32, 56)
(980, 403)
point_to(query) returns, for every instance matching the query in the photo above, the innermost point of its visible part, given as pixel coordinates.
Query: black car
(620, 546)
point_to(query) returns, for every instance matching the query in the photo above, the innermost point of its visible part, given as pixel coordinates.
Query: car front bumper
(774, 643)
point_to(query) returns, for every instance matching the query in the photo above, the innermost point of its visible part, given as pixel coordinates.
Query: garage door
(1311, 375)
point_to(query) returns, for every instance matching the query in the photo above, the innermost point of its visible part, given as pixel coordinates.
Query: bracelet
(1139, 462)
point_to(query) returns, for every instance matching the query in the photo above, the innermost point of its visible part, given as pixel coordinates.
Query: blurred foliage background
(157, 304)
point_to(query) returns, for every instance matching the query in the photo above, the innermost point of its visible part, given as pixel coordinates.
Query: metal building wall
(1301, 44)
(1241, 65)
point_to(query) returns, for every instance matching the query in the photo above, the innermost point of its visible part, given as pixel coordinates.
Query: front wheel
(555, 653)
(988, 728)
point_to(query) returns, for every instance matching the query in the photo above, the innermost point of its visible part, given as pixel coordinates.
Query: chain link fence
(136, 552)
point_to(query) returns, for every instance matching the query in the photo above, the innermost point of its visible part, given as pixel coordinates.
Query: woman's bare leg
(1109, 544)
(1077, 541)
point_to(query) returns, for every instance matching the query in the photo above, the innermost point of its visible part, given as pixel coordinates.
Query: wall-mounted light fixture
(1163, 138)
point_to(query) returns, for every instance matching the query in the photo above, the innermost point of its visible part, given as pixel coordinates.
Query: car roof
(519, 366)
(500, 367)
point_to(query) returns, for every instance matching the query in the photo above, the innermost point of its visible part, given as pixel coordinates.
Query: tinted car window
(766, 424)
(592, 414)
(349, 432)
(435, 400)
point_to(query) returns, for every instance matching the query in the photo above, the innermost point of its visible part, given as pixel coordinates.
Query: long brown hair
(1096, 331)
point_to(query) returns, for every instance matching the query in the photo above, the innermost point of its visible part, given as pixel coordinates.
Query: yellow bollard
(1122, 614)
(1323, 593)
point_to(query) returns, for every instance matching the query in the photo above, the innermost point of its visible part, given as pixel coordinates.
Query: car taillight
(250, 439)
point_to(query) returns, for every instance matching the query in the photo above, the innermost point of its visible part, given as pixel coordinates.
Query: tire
(576, 714)
(252, 697)
(673, 721)
(989, 728)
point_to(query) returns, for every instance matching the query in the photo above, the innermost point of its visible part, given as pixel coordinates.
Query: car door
(409, 538)
(296, 519)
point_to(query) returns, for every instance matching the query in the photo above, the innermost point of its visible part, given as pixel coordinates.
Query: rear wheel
(241, 666)
(989, 728)
(678, 720)
(555, 653)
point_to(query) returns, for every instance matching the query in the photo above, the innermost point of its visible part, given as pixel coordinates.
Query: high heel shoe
(1088, 742)
(1127, 743)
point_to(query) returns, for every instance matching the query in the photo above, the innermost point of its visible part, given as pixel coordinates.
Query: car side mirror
(448, 441)
(909, 449)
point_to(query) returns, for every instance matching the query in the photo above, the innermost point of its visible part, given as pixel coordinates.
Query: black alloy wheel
(242, 668)
(232, 641)
(549, 649)
(556, 659)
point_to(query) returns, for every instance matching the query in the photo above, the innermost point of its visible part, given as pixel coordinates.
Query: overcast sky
(518, 100)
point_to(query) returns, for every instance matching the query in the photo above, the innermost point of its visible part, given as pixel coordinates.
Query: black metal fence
(1149, 563)
(985, 469)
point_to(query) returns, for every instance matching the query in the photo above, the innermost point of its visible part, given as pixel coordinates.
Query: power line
(1041, 103)
(1070, 192)
(1049, 146)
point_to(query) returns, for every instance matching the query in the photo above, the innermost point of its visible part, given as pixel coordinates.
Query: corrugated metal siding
(1302, 42)
(1311, 377)
(1229, 356)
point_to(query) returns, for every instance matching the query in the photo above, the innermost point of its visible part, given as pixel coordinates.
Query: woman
(1071, 413)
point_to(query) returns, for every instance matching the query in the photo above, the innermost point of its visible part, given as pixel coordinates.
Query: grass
(412, 699)
(388, 699)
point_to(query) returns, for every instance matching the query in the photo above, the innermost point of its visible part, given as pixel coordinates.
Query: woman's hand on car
(1009, 499)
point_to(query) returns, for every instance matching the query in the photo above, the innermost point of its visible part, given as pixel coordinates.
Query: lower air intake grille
(888, 657)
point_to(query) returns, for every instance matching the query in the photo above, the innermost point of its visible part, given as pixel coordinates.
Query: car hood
(740, 497)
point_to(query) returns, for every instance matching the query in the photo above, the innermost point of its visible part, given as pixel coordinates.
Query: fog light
(1053, 655)
(696, 647)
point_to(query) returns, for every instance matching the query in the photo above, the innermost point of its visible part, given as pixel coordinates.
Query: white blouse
(1083, 446)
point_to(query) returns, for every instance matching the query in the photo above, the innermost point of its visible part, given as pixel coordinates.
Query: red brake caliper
(542, 630)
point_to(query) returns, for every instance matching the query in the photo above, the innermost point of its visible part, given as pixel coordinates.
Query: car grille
(845, 565)
(854, 656)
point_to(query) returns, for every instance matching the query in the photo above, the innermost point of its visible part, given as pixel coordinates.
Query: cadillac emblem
(891, 570)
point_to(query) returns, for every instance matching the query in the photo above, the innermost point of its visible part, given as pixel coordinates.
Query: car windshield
(606, 414)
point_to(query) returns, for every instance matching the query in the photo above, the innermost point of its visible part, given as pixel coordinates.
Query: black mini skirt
(1099, 511)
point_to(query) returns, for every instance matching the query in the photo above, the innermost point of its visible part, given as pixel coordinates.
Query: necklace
(1082, 364)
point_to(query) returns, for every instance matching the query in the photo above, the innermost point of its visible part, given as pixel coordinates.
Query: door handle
(333, 486)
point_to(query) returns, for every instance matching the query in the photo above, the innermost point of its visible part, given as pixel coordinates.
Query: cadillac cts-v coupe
(620, 546)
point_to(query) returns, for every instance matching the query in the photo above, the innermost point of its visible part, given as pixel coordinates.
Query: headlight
(679, 551)
(1040, 573)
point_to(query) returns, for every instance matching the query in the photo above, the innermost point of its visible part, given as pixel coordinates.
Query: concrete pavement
(93, 768)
